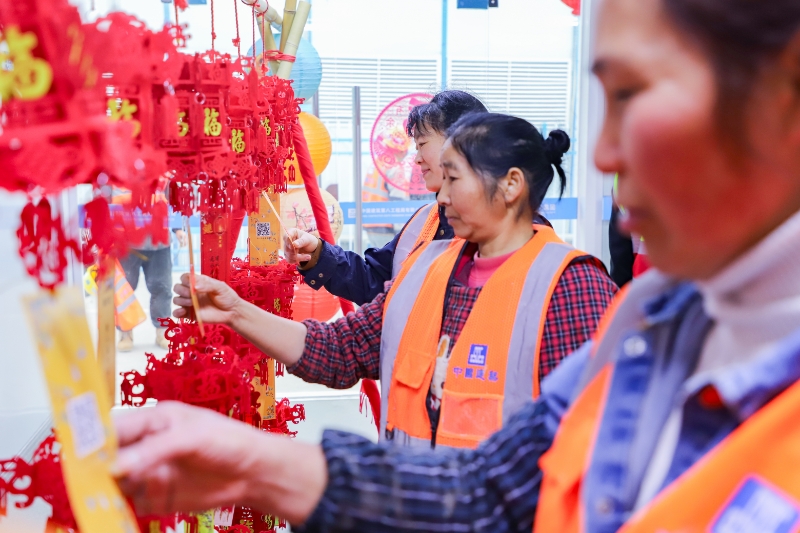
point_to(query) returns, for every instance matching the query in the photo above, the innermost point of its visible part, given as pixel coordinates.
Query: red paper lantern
(310, 304)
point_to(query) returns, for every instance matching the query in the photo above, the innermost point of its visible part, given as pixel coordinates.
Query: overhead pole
(443, 74)
(357, 165)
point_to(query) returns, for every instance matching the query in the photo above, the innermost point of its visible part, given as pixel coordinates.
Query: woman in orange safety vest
(471, 325)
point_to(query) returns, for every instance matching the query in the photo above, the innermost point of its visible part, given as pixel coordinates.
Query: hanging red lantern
(52, 103)
(135, 92)
(313, 304)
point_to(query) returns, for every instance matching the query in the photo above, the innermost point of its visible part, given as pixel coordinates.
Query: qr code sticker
(263, 229)
(83, 415)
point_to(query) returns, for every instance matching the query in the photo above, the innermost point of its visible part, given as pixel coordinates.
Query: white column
(591, 108)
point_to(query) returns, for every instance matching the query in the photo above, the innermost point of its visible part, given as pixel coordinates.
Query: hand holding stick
(195, 303)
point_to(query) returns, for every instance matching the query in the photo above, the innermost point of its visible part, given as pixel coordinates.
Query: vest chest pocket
(471, 417)
(412, 368)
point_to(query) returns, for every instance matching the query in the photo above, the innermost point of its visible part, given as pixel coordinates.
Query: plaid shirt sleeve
(581, 297)
(384, 488)
(340, 353)
(376, 488)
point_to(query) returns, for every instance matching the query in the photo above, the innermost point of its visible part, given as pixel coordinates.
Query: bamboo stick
(268, 40)
(192, 290)
(262, 7)
(289, 11)
(106, 333)
(293, 39)
(273, 17)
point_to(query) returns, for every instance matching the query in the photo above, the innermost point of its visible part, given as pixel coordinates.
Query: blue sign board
(473, 4)
(555, 209)
(392, 212)
(381, 212)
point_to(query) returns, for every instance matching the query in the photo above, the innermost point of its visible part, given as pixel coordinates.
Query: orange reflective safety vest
(129, 312)
(374, 190)
(419, 230)
(494, 366)
(747, 482)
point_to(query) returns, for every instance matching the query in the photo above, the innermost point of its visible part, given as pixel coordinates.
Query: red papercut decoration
(43, 245)
(113, 103)
(247, 520)
(40, 477)
(136, 91)
(575, 5)
(216, 371)
(285, 413)
(52, 103)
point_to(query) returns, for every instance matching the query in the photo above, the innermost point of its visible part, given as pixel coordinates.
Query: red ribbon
(368, 386)
(276, 55)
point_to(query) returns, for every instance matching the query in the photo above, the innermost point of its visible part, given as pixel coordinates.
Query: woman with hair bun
(471, 325)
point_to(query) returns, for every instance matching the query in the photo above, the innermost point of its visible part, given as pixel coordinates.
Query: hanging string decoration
(136, 92)
(113, 103)
(52, 106)
(52, 102)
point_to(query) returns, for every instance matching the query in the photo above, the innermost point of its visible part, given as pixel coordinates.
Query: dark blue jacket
(360, 279)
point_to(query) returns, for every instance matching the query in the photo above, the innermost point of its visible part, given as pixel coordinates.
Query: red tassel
(369, 390)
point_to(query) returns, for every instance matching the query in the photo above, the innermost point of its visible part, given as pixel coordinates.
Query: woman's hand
(176, 457)
(218, 303)
(298, 245)
(284, 340)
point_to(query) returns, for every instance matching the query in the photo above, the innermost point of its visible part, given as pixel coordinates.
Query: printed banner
(81, 410)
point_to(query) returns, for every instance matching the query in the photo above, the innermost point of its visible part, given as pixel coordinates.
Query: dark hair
(442, 112)
(740, 38)
(493, 143)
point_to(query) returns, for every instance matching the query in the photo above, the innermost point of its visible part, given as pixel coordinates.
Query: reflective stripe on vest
(735, 479)
(129, 312)
(493, 368)
(419, 230)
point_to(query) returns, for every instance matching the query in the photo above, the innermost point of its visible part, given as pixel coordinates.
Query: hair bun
(556, 145)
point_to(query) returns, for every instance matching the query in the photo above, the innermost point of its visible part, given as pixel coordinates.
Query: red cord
(238, 40)
(276, 55)
(213, 33)
(176, 13)
(263, 41)
(254, 34)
